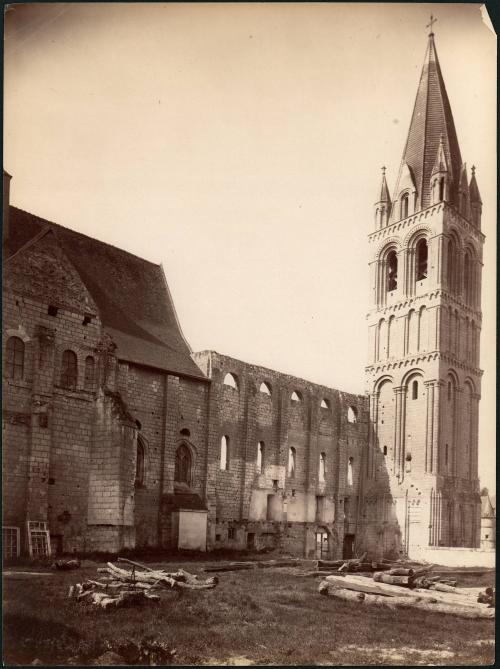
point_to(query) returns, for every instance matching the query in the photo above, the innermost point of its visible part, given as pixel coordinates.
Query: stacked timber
(400, 590)
(119, 587)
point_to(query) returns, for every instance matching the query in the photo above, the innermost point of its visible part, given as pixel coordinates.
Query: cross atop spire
(430, 24)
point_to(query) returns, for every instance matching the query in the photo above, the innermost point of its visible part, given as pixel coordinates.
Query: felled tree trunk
(385, 577)
(430, 605)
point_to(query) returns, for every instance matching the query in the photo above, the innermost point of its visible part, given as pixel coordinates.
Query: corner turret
(383, 204)
(476, 204)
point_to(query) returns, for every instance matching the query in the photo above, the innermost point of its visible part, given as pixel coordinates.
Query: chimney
(6, 207)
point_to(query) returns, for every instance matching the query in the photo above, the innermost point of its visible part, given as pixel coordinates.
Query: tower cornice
(414, 359)
(421, 217)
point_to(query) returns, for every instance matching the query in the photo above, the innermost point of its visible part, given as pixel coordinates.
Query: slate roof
(431, 118)
(131, 293)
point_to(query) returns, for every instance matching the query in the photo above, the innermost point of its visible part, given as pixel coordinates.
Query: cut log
(400, 571)
(284, 562)
(136, 564)
(230, 567)
(385, 577)
(380, 566)
(362, 584)
(442, 587)
(326, 588)
(335, 564)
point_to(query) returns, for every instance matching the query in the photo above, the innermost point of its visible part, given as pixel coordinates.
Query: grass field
(266, 616)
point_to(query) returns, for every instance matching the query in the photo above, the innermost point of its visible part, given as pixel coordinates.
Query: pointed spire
(431, 126)
(384, 190)
(474, 195)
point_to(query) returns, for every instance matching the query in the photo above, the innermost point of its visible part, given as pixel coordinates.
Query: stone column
(429, 425)
(474, 429)
(458, 437)
(439, 274)
(436, 429)
(249, 446)
(373, 435)
(400, 393)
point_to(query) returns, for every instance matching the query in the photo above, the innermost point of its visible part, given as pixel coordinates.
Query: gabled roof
(135, 305)
(431, 118)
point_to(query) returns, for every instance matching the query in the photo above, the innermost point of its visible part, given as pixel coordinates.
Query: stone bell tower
(421, 488)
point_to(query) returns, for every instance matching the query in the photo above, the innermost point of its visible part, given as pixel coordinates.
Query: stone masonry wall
(253, 503)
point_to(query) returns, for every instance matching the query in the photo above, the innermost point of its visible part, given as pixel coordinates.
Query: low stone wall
(455, 557)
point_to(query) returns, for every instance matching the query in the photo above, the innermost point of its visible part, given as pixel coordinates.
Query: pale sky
(240, 146)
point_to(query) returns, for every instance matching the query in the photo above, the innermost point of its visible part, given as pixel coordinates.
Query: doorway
(322, 546)
(348, 552)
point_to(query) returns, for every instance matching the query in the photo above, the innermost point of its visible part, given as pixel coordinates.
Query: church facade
(117, 436)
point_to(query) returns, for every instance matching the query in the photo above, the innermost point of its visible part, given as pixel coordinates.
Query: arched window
(392, 271)
(322, 467)
(449, 391)
(183, 465)
(231, 381)
(405, 199)
(325, 404)
(349, 471)
(414, 390)
(69, 370)
(265, 388)
(292, 456)
(352, 415)
(441, 189)
(139, 462)
(14, 363)
(385, 450)
(422, 255)
(224, 453)
(260, 457)
(296, 397)
(89, 373)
